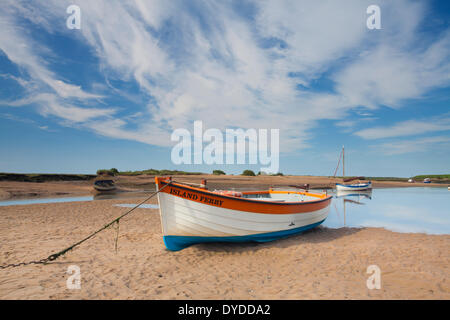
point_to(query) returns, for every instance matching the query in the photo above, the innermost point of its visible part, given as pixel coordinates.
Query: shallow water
(418, 209)
(143, 206)
(112, 196)
(44, 200)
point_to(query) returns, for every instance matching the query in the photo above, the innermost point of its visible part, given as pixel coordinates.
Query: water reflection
(105, 196)
(351, 197)
(122, 195)
(415, 209)
(350, 194)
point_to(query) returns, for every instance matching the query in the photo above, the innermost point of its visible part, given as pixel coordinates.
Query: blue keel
(176, 243)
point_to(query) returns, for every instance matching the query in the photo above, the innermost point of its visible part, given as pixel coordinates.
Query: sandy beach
(320, 264)
(320, 130)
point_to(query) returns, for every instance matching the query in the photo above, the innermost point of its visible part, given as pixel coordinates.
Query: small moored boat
(354, 186)
(104, 185)
(191, 215)
(359, 186)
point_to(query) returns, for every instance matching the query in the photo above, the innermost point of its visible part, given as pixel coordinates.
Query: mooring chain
(62, 252)
(13, 265)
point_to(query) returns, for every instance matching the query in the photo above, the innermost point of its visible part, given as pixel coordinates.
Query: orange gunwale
(245, 204)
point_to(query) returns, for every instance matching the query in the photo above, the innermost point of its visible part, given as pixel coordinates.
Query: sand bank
(18, 190)
(320, 264)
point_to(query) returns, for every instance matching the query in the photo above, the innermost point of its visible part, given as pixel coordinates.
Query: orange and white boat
(191, 215)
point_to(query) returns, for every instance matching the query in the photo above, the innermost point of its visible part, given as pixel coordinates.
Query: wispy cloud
(207, 60)
(415, 145)
(350, 125)
(45, 89)
(49, 104)
(407, 128)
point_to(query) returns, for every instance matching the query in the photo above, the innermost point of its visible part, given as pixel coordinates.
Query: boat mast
(344, 209)
(343, 163)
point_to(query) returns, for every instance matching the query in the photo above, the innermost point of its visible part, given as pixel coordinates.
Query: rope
(60, 253)
(117, 236)
(335, 171)
(339, 162)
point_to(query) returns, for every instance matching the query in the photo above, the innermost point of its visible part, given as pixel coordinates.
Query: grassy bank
(433, 176)
(43, 177)
(155, 172)
(381, 178)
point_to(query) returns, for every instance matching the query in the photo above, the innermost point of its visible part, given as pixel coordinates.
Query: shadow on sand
(316, 235)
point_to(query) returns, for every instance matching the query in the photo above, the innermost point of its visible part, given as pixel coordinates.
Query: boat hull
(191, 216)
(176, 243)
(353, 187)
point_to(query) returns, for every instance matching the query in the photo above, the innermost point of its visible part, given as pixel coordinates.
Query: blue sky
(111, 93)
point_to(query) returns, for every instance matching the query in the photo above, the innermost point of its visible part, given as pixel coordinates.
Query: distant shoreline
(23, 186)
(43, 177)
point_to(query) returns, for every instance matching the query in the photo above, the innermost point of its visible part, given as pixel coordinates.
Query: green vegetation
(43, 177)
(436, 178)
(439, 178)
(272, 174)
(432, 176)
(218, 172)
(155, 172)
(108, 172)
(248, 173)
(277, 174)
(386, 179)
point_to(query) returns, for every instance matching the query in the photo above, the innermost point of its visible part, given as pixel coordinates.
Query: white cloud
(52, 95)
(414, 145)
(49, 104)
(206, 61)
(66, 90)
(388, 76)
(20, 49)
(406, 128)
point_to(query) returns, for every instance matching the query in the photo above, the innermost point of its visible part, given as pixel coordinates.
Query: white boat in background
(191, 215)
(354, 186)
(359, 186)
(427, 180)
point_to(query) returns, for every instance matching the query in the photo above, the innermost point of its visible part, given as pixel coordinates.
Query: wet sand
(320, 264)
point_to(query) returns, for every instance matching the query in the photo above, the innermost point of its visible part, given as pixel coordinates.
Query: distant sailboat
(353, 186)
